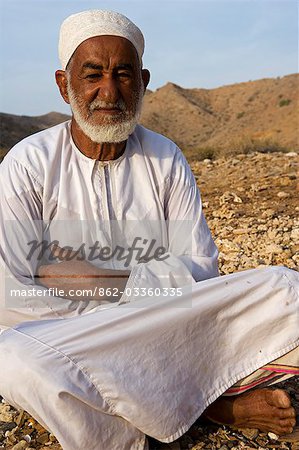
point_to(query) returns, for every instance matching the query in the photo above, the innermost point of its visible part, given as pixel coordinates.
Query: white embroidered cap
(81, 26)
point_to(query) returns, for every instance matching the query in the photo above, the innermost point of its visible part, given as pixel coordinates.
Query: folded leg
(156, 363)
(54, 390)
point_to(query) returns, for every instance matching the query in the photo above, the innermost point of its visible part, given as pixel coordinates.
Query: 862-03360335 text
(97, 292)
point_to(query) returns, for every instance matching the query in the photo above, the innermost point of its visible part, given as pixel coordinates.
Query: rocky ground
(251, 204)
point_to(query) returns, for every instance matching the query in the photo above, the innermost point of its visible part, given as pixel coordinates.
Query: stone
(295, 234)
(6, 426)
(22, 445)
(282, 194)
(6, 413)
(43, 438)
(229, 197)
(241, 231)
(250, 433)
(274, 248)
(273, 436)
(27, 438)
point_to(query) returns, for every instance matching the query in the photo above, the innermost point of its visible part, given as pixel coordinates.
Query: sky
(192, 43)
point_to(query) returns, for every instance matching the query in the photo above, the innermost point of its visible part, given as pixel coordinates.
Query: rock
(294, 249)
(273, 436)
(27, 438)
(272, 234)
(6, 413)
(282, 194)
(43, 438)
(229, 197)
(295, 235)
(274, 248)
(22, 445)
(241, 231)
(250, 433)
(6, 426)
(268, 213)
(258, 188)
(286, 181)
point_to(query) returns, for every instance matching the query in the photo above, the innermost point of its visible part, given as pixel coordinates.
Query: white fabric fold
(159, 364)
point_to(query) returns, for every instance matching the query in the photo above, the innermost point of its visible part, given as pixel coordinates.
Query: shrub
(247, 145)
(284, 102)
(201, 153)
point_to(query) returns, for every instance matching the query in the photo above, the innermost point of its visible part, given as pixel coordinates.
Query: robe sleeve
(21, 211)
(192, 254)
(189, 235)
(20, 219)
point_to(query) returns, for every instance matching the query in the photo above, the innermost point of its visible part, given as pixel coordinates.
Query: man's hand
(76, 275)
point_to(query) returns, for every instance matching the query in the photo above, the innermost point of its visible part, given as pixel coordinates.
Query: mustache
(101, 104)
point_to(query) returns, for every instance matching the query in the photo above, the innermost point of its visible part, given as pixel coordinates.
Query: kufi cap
(81, 26)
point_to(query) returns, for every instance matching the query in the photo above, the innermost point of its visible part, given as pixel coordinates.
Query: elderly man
(102, 227)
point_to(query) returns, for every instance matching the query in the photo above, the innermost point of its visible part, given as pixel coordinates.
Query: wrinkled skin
(265, 409)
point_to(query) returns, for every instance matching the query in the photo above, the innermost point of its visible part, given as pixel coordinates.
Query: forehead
(106, 49)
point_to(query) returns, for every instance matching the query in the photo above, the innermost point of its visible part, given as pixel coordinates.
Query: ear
(61, 82)
(145, 74)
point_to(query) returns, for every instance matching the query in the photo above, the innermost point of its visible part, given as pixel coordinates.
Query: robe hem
(77, 365)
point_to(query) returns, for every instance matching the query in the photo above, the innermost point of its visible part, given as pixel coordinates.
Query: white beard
(117, 129)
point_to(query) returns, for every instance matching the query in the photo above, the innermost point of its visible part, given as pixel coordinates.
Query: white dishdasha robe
(50, 190)
(145, 366)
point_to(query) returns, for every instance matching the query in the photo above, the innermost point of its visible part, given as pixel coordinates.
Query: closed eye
(93, 75)
(124, 74)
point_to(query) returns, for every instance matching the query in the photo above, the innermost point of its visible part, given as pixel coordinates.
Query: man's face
(105, 88)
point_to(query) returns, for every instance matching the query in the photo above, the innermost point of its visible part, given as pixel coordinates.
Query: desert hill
(14, 128)
(255, 115)
(262, 113)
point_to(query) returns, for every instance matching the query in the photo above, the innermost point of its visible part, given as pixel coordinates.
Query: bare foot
(265, 409)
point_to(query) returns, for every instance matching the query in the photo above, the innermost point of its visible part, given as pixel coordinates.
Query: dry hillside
(14, 128)
(260, 115)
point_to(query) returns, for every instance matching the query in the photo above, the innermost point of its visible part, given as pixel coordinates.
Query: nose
(108, 90)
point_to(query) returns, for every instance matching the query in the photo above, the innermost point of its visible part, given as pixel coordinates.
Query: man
(147, 348)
